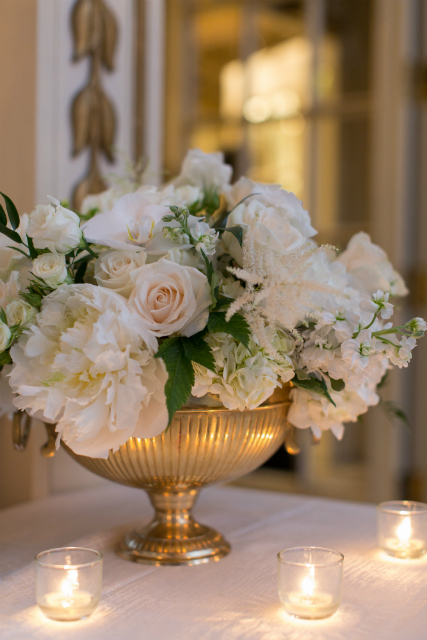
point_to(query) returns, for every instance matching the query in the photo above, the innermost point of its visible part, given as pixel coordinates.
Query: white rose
(171, 298)
(51, 268)
(19, 312)
(369, 268)
(113, 270)
(55, 228)
(204, 170)
(272, 230)
(5, 335)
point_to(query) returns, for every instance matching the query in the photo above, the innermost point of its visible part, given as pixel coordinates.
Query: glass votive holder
(68, 582)
(310, 581)
(402, 528)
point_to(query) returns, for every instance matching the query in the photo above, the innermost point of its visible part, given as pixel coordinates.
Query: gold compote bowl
(204, 445)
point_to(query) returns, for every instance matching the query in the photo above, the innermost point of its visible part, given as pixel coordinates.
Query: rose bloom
(51, 268)
(113, 270)
(369, 268)
(5, 336)
(19, 312)
(55, 228)
(87, 364)
(171, 298)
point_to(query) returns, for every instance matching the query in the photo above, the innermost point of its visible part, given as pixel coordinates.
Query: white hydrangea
(244, 378)
(88, 365)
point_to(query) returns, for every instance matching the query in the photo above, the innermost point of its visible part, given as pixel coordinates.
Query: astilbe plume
(278, 288)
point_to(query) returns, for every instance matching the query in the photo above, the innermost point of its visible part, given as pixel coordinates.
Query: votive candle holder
(68, 582)
(402, 528)
(310, 581)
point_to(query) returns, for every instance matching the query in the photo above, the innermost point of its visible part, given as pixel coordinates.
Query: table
(236, 598)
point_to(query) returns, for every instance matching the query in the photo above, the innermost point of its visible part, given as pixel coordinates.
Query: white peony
(55, 228)
(88, 365)
(20, 312)
(171, 298)
(244, 378)
(5, 336)
(9, 289)
(281, 222)
(51, 268)
(113, 269)
(369, 268)
(206, 171)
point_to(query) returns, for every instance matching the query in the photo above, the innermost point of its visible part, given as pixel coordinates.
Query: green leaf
(181, 374)
(12, 235)
(12, 211)
(394, 410)
(236, 327)
(3, 316)
(3, 217)
(301, 374)
(32, 249)
(237, 233)
(209, 268)
(337, 385)
(314, 384)
(80, 273)
(197, 350)
(20, 251)
(34, 299)
(5, 358)
(383, 380)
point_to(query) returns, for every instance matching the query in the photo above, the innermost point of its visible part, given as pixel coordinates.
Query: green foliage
(236, 326)
(313, 384)
(337, 385)
(80, 273)
(3, 316)
(180, 374)
(5, 359)
(12, 235)
(34, 299)
(3, 217)
(87, 216)
(395, 412)
(11, 211)
(178, 354)
(236, 231)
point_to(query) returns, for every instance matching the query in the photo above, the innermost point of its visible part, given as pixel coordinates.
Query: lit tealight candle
(68, 582)
(402, 528)
(310, 581)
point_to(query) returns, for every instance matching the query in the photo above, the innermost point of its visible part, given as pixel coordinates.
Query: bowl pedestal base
(173, 537)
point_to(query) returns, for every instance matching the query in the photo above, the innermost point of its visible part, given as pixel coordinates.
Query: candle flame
(308, 585)
(68, 585)
(404, 530)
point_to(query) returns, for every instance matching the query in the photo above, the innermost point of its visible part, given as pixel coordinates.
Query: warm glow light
(68, 585)
(308, 585)
(257, 109)
(404, 530)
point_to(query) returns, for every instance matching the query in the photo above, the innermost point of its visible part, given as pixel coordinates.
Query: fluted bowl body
(203, 445)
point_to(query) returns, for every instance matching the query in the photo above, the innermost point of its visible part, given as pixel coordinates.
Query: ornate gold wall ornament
(94, 123)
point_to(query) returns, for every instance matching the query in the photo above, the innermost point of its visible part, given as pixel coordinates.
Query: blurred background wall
(326, 97)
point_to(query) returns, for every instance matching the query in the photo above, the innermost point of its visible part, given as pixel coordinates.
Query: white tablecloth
(236, 598)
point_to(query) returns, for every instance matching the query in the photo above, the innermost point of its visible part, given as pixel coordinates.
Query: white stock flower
(113, 269)
(206, 171)
(19, 312)
(362, 351)
(205, 237)
(171, 298)
(400, 354)
(378, 303)
(51, 268)
(309, 409)
(5, 336)
(244, 378)
(88, 365)
(369, 268)
(416, 325)
(9, 289)
(55, 228)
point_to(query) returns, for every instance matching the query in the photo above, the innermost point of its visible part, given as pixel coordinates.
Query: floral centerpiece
(112, 318)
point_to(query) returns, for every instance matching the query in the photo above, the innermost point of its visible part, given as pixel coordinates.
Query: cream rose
(113, 270)
(5, 335)
(171, 298)
(19, 312)
(55, 228)
(51, 268)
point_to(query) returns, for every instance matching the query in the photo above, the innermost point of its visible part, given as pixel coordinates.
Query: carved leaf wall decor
(94, 124)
